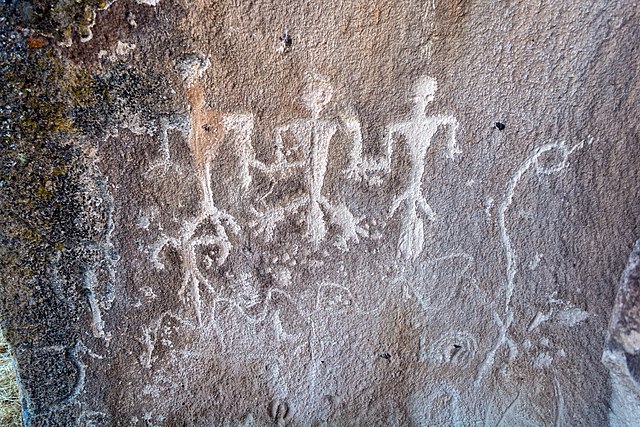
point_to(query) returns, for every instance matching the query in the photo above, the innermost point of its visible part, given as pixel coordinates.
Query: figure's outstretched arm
(280, 159)
(359, 166)
(242, 126)
(452, 147)
(356, 161)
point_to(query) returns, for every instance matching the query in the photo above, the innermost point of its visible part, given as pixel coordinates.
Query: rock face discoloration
(277, 213)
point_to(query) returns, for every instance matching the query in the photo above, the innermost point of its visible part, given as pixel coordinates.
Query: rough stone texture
(622, 350)
(317, 213)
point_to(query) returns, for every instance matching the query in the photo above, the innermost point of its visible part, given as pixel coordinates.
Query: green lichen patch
(58, 19)
(39, 174)
(106, 100)
(54, 206)
(44, 234)
(49, 110)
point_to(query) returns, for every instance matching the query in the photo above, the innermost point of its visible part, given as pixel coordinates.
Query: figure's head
(193, 67)
(317, 94)
(424, 90)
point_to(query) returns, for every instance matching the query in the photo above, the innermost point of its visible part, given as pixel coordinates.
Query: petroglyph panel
(356, 213)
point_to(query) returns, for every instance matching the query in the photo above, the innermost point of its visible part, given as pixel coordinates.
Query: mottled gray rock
(320, 213)
(622, 350)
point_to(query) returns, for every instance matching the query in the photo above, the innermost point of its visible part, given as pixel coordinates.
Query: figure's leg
(316, 227)
(411, 240)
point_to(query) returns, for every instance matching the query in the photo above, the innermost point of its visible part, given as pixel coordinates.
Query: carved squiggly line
(531, 160)
(150, 333)
(72, 355)
(511, 258)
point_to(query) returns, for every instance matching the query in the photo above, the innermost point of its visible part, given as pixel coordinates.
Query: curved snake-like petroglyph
(532, 161)
(72, 354)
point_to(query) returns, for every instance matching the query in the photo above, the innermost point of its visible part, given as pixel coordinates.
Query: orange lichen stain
(35, 42)
(206, 131)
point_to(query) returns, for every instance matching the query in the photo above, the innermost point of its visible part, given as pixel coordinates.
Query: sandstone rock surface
(317, 213)
(622, 352)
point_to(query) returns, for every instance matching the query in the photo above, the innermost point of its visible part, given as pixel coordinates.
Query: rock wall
(622, 348)
(317, 213)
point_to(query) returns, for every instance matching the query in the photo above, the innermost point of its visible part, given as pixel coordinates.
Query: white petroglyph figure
(535, 159)
(418, 132)
(207, 231)
(313, 137)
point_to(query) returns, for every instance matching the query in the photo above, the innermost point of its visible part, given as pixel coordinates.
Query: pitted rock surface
(319, 213)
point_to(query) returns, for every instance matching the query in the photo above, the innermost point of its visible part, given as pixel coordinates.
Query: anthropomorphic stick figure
(206, 233)
(418, 132)
(312, 137)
